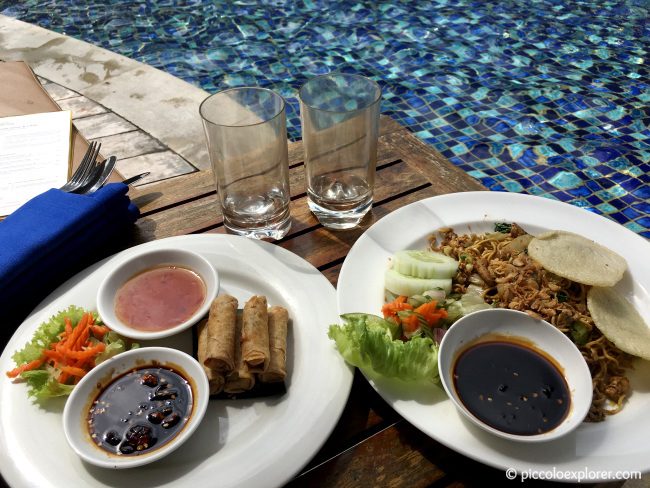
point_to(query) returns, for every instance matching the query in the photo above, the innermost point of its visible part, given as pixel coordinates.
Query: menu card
(34, 156)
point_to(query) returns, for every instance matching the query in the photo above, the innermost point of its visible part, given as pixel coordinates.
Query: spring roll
(278, 324)
(241, 379)
(216, 380)
(221, 335)
(255, 335)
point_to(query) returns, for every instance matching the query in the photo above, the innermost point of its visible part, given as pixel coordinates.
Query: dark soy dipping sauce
(140, 411)
(511, 387)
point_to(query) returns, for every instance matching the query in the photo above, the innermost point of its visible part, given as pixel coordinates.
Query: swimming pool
(549, 97)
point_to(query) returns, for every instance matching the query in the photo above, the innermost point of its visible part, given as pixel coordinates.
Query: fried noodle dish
(498, 263)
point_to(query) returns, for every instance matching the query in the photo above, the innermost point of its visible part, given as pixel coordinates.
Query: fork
(106, 168)
(82, 176)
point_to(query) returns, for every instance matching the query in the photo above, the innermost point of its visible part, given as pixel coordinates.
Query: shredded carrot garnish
(399, 304)
(431, 313)
(410, 322)
(74, 371)
(35, 364)
(89, 352)
(81, 326)
(68, 326)
(99, 330)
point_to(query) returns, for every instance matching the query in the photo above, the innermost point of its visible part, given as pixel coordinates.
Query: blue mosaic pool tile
(644, 221)
(580, 191)
(548, 97)
(644, 208)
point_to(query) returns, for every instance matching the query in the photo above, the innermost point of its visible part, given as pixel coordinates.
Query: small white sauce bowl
(134, 264)
(543, 336)
(75, 413)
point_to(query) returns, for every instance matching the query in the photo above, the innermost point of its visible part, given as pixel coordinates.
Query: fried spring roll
(215, 379)
(241, 379)
(221, 335)
(255, 335)
(278, 324)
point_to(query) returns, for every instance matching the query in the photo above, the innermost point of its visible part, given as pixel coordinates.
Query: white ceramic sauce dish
(144, 261)
(77, 408)
(519, 328)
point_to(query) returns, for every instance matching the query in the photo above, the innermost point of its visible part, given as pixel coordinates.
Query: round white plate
(618, 443)
(240, 443)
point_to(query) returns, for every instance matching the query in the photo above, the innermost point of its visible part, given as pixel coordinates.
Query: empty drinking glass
(247, 141)
(340, 127)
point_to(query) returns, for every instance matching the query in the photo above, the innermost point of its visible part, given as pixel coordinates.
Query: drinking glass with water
(340, 128)
(247, 141)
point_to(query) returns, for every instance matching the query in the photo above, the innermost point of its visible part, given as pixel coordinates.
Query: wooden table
(371, 445)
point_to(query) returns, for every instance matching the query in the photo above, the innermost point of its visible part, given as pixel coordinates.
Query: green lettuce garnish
(372, 343)
(42, 383)
(114, 345)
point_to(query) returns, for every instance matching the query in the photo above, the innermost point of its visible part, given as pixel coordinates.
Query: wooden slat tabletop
(371, 445)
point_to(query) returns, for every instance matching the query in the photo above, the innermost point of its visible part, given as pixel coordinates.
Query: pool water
(549, 97)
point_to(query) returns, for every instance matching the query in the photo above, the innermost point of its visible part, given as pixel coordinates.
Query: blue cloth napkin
(53, 236)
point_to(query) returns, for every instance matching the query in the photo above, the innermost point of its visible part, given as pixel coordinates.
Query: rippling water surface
(548, 97)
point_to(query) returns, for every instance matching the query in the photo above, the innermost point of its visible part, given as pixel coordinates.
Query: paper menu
(34, 156)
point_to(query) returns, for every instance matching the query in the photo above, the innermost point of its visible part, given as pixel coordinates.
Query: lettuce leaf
(370, 342)
(115, 344)
(42, 385)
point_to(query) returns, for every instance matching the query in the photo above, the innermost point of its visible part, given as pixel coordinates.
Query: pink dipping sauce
(159, 298)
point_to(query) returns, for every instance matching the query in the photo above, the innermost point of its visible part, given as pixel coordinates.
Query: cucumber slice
(400, 284)
(424, 264)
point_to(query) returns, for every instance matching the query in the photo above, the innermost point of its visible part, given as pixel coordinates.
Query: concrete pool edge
(158, 103)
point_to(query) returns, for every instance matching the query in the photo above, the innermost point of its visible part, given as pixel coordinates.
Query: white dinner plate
(240, 443)
(620, 443)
